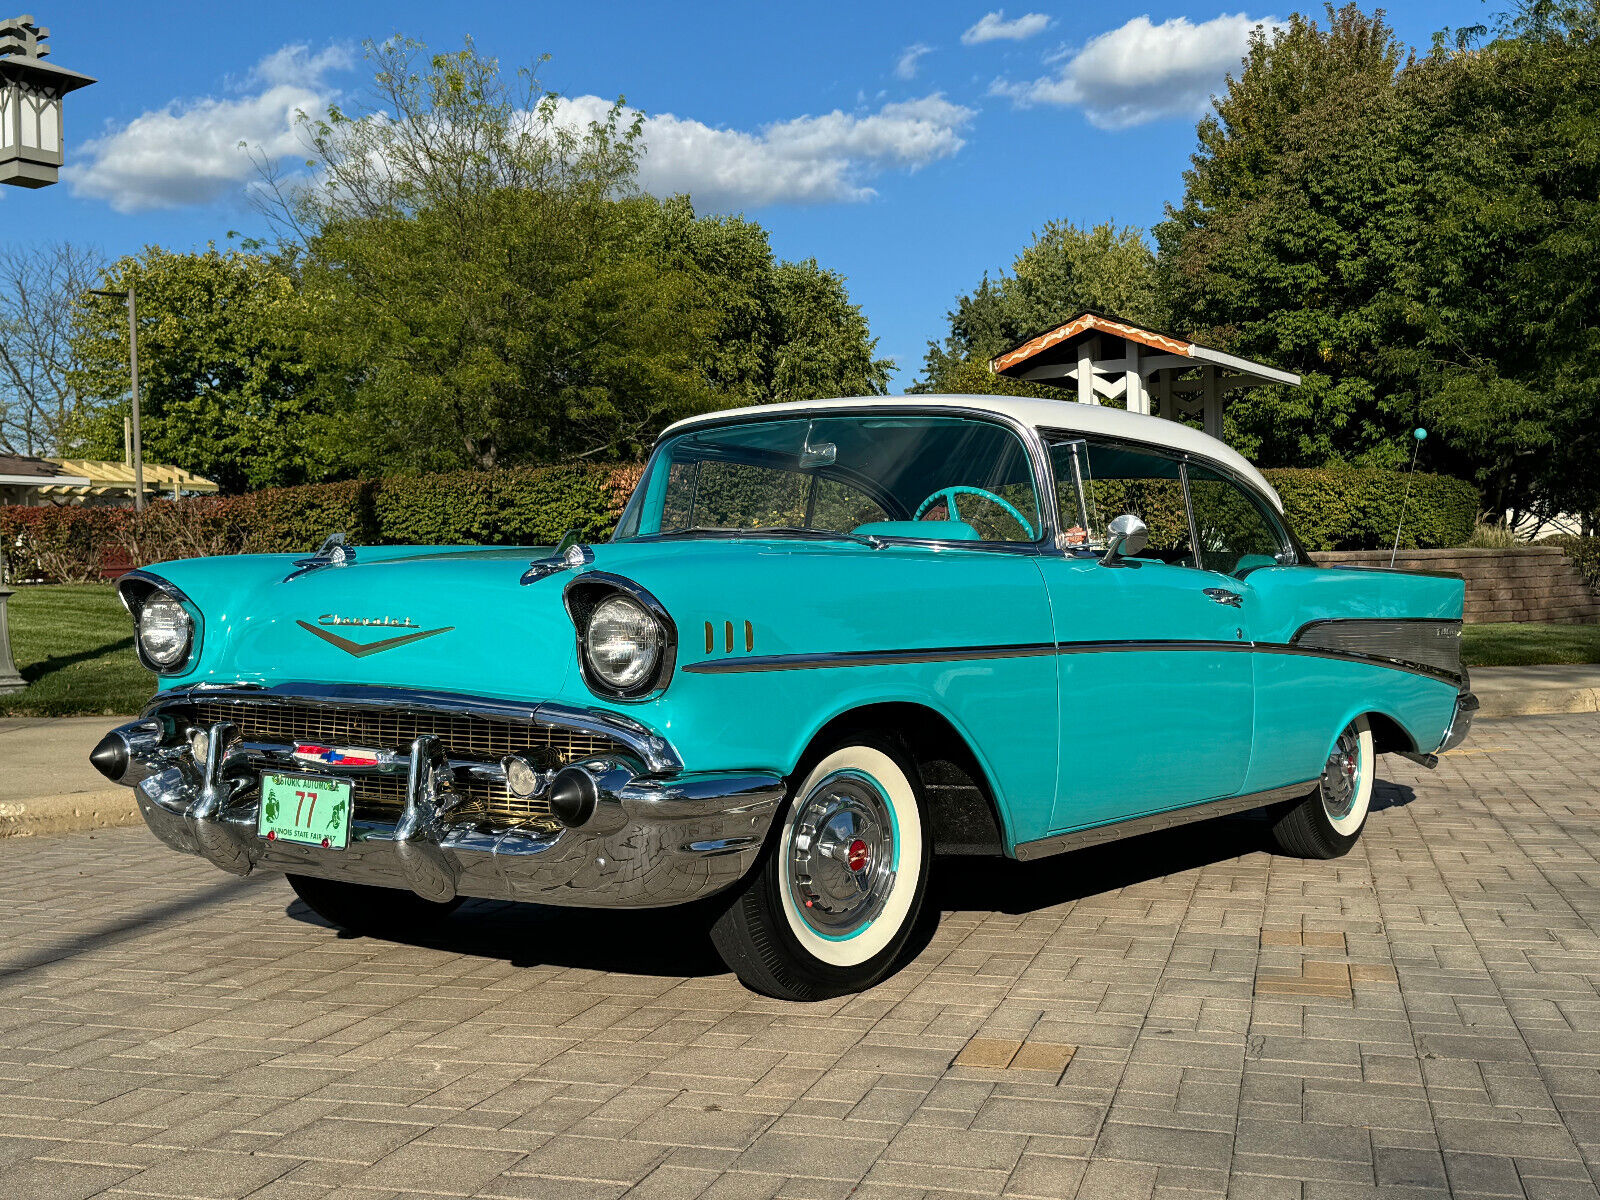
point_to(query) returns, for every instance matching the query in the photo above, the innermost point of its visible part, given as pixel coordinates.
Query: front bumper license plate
(305, 809)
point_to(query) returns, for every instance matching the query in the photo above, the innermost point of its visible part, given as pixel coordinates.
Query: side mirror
(1126, 535)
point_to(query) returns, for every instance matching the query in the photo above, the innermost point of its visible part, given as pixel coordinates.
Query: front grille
(461, 736)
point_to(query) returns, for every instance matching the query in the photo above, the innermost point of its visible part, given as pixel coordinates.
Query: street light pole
(133, 373)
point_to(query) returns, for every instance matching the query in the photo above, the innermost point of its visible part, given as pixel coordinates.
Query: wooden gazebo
(1105, 358)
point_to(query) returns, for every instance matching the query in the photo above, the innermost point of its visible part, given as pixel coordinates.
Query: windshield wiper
(824, 535)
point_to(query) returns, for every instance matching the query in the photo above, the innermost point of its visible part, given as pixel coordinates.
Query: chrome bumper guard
(647, 839)
(1460, 722)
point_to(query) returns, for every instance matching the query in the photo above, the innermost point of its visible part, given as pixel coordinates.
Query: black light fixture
(31, 145)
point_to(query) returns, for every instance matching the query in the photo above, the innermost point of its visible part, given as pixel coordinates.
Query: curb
(1537, 702)
(71, 813)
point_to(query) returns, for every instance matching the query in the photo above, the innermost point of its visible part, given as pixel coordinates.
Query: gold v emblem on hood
(361, 651)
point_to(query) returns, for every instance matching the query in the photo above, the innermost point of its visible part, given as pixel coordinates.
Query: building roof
(27, 471)
(102, 476)
(1060, 345)
(1061, 414)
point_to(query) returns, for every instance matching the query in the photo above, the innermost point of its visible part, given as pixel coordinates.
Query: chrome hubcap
(1341, 776)
(841, 854)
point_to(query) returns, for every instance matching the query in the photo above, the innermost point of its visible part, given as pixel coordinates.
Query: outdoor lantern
(30, 105)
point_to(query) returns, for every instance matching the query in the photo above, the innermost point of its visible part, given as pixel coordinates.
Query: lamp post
(133, 375)
(10, 680)
(30, 105)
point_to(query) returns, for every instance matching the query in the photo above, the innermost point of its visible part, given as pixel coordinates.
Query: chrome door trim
(1060, 843)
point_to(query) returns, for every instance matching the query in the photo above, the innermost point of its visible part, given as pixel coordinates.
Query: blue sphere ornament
(1419, 433)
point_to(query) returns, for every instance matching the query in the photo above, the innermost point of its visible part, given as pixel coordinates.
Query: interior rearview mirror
(1125, 535)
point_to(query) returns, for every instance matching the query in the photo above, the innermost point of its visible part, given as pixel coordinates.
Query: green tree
(226, 388)
(1063, 271)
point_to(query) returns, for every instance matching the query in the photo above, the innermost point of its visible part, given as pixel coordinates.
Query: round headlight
(623, 643)
(164, 631)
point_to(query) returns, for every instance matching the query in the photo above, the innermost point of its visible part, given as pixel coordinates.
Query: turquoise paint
(1149, 730)
(1066, 740)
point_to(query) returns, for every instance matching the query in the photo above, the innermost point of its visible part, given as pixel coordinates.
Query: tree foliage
(1415, 236)
(39, 288)
(1063, 271)
(484, 274)
(226, 386)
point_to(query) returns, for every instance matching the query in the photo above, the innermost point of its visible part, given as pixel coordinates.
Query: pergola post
(1211, 412)
(1138, 399)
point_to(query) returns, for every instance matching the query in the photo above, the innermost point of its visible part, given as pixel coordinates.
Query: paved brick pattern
(166, 1030)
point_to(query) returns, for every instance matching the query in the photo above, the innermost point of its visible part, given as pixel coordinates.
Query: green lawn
(1518, 645)
(74, 645)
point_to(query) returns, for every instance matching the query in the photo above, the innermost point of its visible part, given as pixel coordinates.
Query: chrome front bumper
(650, 838)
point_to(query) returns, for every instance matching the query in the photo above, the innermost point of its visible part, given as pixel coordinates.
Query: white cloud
(993, 27)
(807, 160)
(905, 66)
(189, 153)
(1142, 72)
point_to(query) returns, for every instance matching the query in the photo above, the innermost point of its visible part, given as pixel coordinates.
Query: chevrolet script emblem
(362, 649)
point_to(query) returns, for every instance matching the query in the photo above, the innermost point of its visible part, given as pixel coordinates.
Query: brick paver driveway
(1421, 1015)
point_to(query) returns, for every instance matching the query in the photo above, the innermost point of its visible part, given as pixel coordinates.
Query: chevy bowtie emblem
(360, 649)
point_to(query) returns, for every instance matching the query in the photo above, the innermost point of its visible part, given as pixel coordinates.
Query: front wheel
(372, 911)
(834, 902)
(1327, 823)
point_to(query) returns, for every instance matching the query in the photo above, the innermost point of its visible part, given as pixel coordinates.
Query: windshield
(928, 477)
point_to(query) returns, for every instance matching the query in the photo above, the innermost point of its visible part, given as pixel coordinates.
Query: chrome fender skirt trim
(1060, 843)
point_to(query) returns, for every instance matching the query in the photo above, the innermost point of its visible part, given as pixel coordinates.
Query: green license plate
(305, 810)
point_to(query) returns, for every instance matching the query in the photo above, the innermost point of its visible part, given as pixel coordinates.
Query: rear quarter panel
(1303, 701)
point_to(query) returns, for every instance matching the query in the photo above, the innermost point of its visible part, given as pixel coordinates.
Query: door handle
(1224, 596)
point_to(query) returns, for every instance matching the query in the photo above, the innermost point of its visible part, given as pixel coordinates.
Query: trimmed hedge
(1354, 508)
(1333, 508)
(519, 506)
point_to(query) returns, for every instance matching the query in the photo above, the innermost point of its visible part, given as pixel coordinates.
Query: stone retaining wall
(1528, 583)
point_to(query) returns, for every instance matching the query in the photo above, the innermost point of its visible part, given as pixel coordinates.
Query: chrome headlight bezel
(140, 591)
(584, 597)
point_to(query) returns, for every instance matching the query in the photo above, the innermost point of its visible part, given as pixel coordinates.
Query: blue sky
(909, 146)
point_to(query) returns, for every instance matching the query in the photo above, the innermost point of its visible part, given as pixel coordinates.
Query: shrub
(1355, 508)
(66, 545)
(1584, 553)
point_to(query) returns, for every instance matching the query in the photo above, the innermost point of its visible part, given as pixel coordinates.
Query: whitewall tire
(838, 894)
(1327, 823)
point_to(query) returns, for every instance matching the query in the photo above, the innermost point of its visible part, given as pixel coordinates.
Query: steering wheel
(949, 494)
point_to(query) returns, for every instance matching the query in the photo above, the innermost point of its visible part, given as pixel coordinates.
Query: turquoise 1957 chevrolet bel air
(827, 642)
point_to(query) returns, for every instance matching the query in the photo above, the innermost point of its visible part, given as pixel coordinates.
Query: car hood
(460, 619)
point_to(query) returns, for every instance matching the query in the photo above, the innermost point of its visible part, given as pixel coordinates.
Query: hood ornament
(571, 554)
(334, 552)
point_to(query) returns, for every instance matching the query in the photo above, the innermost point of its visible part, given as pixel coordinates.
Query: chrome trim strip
(882, 658)
(1060, 843)
(657, 754)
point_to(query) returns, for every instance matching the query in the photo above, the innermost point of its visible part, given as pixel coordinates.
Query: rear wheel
(364, 909)
(1327, 823)
(834, 902)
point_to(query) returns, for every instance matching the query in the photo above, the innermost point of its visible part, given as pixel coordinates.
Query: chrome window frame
(1289, 545)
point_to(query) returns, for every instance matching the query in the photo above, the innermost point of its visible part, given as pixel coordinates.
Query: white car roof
(1044, 414)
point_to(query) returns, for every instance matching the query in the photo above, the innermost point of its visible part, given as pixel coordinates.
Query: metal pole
(133, 370)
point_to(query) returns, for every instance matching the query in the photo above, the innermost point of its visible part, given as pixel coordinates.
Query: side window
(1120, 479)
(1235, 533)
